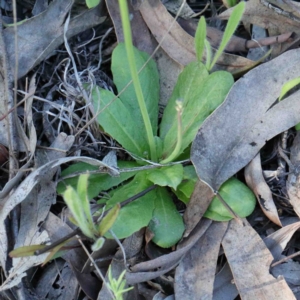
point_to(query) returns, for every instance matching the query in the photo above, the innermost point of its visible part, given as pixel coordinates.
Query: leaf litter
(231, 138)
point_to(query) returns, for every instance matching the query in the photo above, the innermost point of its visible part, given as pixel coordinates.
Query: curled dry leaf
(293, 181)
(277, 241)
(255, 180)
(178, 44)
(249, 261)
(35, 207)
(196, 271)
(234, 133)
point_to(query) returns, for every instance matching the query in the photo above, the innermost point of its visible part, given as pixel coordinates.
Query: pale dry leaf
(293, 181)
(224, 287)
(249, 261)
(195, 274)
(34, 210)
(277, 241)
(234, 133)
(34, 48)
(178, 44)
(256, 181)
(22, 264)
(197, 206)
(8, 130)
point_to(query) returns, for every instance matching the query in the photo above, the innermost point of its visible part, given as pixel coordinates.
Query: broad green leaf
(92, 3)
(73, 202)
(201, 95)
(136, 214)
(149, 80)
(118, 120)
(107, 221)
(200, 37)
(186, 187)
(232, 25)
(187, 86)
(167, 176)
(166, 223)
(25, 250)
(97, 182)
(237, 195)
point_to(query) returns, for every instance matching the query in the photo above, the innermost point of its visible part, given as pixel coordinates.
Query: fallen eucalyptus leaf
(193, 277)
(231, 137)
(255, 180)
(249, 261)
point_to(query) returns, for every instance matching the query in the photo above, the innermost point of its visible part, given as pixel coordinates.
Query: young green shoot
(232, 25)
(117, 286)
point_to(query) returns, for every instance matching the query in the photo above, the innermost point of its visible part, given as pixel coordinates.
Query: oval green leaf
(237, 195)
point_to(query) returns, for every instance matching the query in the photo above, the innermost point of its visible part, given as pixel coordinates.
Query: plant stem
(135, 78)
(177, 148)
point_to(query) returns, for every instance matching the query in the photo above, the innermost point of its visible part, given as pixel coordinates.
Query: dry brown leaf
(197, 206)
(255, 180)
(277, 241)
(224, 285)
(249, 261)
(293, 181)
(194, 277)
(178, 44)
(234, 133)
